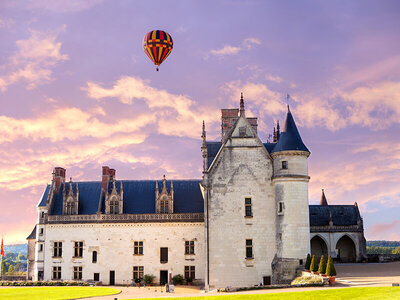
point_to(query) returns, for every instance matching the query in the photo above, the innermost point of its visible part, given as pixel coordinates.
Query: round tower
(290, 179)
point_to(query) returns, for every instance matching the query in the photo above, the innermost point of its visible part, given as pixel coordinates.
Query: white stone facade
(114, 244)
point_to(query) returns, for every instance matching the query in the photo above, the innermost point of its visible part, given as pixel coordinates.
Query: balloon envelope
(157, 45)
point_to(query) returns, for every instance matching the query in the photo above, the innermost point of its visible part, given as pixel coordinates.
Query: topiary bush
(308, 262)
(177, 279)
(322, 266)
(148, 279)
(314, 265)
(330, 268)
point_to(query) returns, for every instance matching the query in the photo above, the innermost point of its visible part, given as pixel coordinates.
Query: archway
(318, 247)
(346, 250)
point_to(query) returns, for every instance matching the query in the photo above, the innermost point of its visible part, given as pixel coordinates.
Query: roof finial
(203, 135)
(287, 102)
(323, 199)
(241, 105)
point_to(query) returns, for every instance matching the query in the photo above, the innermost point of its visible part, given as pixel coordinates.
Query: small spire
(241, 105)
(164, 183)
(274, 136)
(278, 130)
(323, 199)
(203, 135)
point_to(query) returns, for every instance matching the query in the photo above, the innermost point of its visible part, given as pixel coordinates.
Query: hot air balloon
(157, 45)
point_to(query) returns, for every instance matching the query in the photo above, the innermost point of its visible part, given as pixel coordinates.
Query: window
(190, 272)
(94, 257)
(138, 272)
(96, 277)
(42, 214)
(40, 247)
(78, 249)
(163, 255)
(249, 249)
(41, 231)
(77, 273)
(70, 208)
(301, 262)
(114, 207)
(189, 247)
(164, 207)
(284, 164)
(138, 249)
(57, 249)
(247, 207)
(56, 273)
(281, 206)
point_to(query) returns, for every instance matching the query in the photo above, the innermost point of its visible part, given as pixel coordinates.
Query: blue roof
(269, 146)
(42, 201)
(139, 196)
(290, 138)
(342, 215)
(212, 150)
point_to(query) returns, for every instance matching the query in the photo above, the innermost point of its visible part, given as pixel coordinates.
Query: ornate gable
(114, 200)
(165, 200)
(71, 200)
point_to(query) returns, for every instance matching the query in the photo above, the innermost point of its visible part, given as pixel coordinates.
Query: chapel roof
(341, 215)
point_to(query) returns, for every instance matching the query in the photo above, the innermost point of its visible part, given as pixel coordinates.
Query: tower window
(41, 231)
(247, 207)
(281, 207)
(40, 247)
(94, 257)
(249, 249)
(284, 164)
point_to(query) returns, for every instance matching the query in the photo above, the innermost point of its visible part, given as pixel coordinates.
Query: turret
(290, 179)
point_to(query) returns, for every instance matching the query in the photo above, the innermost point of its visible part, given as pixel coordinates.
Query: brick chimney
(59, 177)
(112, 174)
(228, 118)
(108, 175)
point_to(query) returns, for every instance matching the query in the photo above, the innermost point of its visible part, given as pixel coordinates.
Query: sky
(77, 91)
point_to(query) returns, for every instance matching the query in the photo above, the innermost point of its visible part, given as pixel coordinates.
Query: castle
(246, 222)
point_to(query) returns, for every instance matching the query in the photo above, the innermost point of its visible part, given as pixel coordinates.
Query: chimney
(59, 177)
(112, 174)
(228, 118)
(106, 177)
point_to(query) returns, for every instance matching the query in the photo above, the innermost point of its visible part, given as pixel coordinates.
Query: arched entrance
(346, 250)
(318, 247)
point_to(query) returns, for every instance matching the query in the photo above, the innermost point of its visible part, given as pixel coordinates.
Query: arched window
(94, 257)
(114, 207)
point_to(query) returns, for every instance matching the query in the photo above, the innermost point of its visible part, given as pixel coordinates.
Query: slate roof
(290, 138)
(33, 234)
(139, 196)
(342, 215)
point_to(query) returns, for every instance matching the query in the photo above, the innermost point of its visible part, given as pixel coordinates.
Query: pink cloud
(379, 229)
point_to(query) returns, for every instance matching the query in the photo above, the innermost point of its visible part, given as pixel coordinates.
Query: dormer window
(165, 199)
(70, 198)
(114, 200)
(242, 131)
(284, 164)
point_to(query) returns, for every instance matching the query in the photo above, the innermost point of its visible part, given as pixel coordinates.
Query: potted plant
(148, 279)
(331, 271)
(314, 265)
(189, 280)
(177, 279)
(308, 263)
(137, 281)
(322, 267)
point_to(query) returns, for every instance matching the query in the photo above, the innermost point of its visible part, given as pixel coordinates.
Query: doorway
(163, 277)
(267, 280)
(112, 277)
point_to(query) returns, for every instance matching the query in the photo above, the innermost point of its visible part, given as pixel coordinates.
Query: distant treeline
(17, 248)
(392, 244)
(13, 264)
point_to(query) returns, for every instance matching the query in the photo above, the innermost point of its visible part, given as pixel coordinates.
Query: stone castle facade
(246, 222)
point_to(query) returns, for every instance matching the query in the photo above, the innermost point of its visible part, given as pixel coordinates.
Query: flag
(2, 248)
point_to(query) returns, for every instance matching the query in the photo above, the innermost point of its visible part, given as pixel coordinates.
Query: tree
(10, 269)
(3, 268)
(17, 267)
(330, 268)
(322, 265)
(314, 265)
(396, 250)
(308, 262)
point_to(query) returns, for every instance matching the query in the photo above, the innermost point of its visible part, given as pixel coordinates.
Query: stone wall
(114, 244)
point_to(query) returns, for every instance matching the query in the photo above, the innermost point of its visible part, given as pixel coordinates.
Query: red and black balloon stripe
(157, 45)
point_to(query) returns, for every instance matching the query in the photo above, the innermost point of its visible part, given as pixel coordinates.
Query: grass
(361, 293)
(54, 293)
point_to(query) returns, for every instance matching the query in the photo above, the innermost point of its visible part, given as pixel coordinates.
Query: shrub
(189, 279)
(322, 266)
(314, 265)
(137, 280)
(177, 279)
(308, 281)
(308, 262)
(330, 268)
(148, 279)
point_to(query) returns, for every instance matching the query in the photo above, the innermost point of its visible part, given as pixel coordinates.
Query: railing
(336, 228)
(121, 218)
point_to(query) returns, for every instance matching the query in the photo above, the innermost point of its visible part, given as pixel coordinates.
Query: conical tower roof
(290, 138)
(323, 199)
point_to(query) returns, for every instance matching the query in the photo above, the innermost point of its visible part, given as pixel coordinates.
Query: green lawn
(370, 293)
(55, 293)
